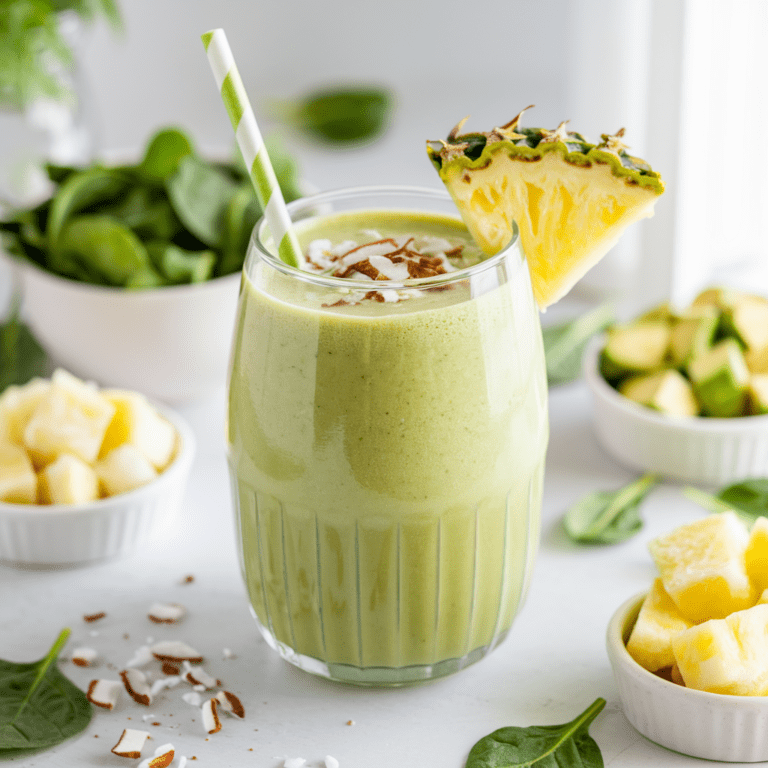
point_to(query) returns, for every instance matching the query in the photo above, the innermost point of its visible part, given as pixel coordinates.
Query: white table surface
(551, 667)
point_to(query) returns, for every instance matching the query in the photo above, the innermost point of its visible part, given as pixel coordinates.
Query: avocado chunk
(692, 334)
(758, 393)
(720, 298)
(747, 321)
(666, 391)
(633, 348)
(720, 380)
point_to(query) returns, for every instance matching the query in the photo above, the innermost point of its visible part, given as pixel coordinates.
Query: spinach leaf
(105, 246)
(21, 356)
(164, 153)
(564, 343)
(241, 214)
(179, 266)
(39, 707)
(343, 115)
(543, 746)
(748, 499)
(199, 193)
(608, 517)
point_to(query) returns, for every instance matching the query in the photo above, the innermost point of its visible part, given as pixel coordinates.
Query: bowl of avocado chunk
(684, 393)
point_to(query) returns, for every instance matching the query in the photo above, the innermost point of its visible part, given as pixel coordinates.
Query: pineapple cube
(123, 469)
(756, 556)
(137, 422)
(71, 417)
(17, 403)
(18, 482)
(703, 569)
(69, 480)
(658, 622)
(727, 655)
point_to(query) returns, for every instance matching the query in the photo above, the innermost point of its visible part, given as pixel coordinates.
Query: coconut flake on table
(193, 698)
(130, 743)
(211, 721)
(136, 684)
(294, 762)
(162, 683)
(162, 758)
(166, 613)
(104, 693)
(141, 657)
(175, 650)
(331, 762)
(230, 703)
(198, 676)
(84, 657)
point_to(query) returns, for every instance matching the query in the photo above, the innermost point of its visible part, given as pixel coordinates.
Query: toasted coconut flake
(91, 617)
(193, 698)
(84, 657)
(135, 682)
(163, 757)
(198, 676)
(104, 693)
(211, 721)
(130, 743)
(141, 658)
(169, 668)
(230, 703)
(175, 650)
(166, 613)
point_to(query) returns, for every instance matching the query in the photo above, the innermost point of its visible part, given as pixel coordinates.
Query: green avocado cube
(636, 347)
(721, 379)
(666, 391)
(692, 334)
(758, 393)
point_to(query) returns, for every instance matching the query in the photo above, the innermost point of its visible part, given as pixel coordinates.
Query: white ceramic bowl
(693, 449)
(708, 725)
(78, 534)
(170, 343)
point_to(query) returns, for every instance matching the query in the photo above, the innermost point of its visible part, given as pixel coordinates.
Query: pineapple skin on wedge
(703, 567)
(658, 622)
(571, 199)
(728, 656)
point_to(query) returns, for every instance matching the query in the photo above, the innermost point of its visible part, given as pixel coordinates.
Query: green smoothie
(387, 458)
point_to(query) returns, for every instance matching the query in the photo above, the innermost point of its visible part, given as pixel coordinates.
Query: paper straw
(251, 145)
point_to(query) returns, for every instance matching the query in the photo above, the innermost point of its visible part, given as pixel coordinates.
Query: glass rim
(392, 190)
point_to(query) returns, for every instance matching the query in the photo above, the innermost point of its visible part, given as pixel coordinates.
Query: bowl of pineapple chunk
(86, 474)
(684, 393)
(690, 657)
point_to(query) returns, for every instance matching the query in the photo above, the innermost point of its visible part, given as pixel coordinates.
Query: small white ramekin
(693, 449)
(712, 726)
(78, 534)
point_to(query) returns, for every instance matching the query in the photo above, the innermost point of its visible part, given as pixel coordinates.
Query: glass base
(380, 677)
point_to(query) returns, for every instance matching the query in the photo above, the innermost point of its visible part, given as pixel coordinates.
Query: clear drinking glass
(386, 456)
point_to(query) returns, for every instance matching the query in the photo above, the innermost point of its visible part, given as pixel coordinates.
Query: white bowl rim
(704, 424)
(155, 293)
(181, 461)
(617, 651)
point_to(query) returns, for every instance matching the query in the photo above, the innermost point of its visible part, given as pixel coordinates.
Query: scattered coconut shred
(180, 664)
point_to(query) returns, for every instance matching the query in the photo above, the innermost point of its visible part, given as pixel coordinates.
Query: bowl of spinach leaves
(130, 273)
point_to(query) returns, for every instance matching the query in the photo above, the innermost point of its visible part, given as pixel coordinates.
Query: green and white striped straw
(251, 145)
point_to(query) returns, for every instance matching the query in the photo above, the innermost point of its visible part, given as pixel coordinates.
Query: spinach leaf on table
(608, 517)
(564, 343)
(747, 498)
(541, 746)
(39, 706)
(21, 356)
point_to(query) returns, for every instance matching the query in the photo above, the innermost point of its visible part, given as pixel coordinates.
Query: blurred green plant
(33, 49)
(338, 115)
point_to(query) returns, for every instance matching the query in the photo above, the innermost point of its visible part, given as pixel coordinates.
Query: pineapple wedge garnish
(658, 622)
(571, 199)
(727, 655)
(703, 567)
